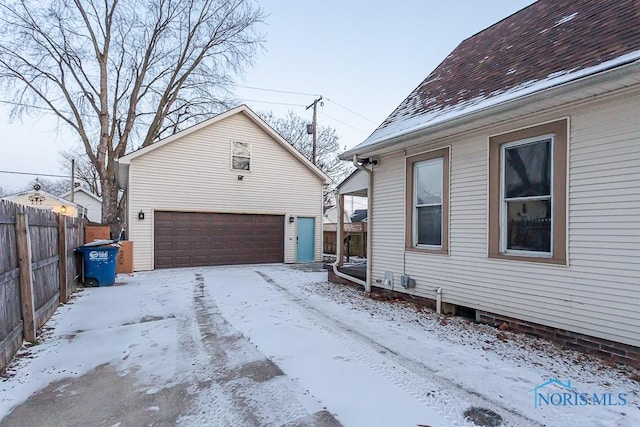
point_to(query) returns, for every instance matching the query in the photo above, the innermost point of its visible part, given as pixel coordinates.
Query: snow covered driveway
(275, 345)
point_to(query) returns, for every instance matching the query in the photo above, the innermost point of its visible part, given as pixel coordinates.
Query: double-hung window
(427, 201)
(240, 156)
(527, 194)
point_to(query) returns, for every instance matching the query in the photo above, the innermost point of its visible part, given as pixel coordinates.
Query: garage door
(189, 239)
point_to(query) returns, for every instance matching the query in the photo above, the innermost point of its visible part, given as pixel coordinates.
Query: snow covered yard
(277, 345)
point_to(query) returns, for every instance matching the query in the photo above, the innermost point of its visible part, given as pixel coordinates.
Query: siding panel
(596, 294)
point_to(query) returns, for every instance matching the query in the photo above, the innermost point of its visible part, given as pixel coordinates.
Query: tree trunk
(110, 214)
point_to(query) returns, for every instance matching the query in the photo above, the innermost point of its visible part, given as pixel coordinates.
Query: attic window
(240, 156)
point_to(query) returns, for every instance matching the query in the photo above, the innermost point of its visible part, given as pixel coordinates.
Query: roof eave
(389, 144)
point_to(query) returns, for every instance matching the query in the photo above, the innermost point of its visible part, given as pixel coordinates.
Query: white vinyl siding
(192, 173)
(597, 292)
(93, 206)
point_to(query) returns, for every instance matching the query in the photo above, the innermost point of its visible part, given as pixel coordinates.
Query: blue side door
(305, 239)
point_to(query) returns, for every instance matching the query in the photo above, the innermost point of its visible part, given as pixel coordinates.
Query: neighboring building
(509, 179)
(40, 199)
(91, 203)
(229, 190)
(331, 216)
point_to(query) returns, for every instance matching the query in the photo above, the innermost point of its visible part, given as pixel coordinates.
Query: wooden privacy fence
(37, 271)
(354, 235)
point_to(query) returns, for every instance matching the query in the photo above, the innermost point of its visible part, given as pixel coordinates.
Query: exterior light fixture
(141, 215)
(240, 177)
(63, 209)
(291, 218)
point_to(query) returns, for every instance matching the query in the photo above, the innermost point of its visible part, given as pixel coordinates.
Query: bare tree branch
(293, 128)
(121, 73)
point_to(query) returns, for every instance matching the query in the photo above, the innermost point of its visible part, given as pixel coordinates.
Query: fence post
(23, 241)
(62, 258)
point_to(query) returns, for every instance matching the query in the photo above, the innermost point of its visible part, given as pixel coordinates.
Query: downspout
(367, 286)
(339, 245)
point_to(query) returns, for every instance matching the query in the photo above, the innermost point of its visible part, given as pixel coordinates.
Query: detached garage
(227, 191)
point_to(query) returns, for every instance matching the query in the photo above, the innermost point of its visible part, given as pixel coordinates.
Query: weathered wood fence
(37, 271)
(354, 235)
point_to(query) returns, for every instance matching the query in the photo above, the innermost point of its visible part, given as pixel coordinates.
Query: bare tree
(123, 73)
(57, 187)
(293, 128)
(85, 171)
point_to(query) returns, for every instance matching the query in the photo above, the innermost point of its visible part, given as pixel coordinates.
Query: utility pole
(314, 104)
(73, 178)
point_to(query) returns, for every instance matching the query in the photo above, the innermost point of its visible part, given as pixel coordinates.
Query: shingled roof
(544, 44)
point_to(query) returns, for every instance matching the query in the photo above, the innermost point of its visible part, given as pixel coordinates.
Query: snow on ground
(275, 344)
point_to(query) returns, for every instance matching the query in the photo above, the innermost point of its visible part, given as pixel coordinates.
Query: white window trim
(503, 202)
(243, 157)
(415, 206)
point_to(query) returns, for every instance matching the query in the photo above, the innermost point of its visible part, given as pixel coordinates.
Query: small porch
(349, 266)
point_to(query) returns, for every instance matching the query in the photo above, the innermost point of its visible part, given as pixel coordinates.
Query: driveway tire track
(416, 378)
(229, 371)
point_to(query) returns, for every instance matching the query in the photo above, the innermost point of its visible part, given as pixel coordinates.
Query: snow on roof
(546, 44)
(406, 122)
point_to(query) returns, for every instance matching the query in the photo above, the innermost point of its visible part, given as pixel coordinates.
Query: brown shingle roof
(548, 38)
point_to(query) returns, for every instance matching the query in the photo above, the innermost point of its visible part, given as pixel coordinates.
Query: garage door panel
(184, 239)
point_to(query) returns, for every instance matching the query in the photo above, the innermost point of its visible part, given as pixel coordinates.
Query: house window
(525, 220)
(427, 201)
(240, 156)
(527, 194)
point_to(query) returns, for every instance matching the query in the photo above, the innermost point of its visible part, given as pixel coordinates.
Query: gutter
(367, 286)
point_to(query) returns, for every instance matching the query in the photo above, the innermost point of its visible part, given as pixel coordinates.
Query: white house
(40, 199)
(91, 203)
(508, 182)
(229, 190)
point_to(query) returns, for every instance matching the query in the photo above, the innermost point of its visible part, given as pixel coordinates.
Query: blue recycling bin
(98, 265)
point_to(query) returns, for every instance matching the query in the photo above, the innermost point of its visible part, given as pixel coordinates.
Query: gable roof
(546, 44)
(82, 190)
(242, 109)
(59, 199)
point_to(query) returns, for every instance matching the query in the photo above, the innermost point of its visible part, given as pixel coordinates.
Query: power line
(35, 174)
(279, 91)
(271, 102)
(351, 111)
(309, 94)
(340, 121)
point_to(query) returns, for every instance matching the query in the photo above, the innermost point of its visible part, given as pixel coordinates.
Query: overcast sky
(362, 56)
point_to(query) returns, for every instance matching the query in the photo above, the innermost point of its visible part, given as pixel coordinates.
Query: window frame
(504, 229)
(242, 157)
(410, 206)
(557, 132)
